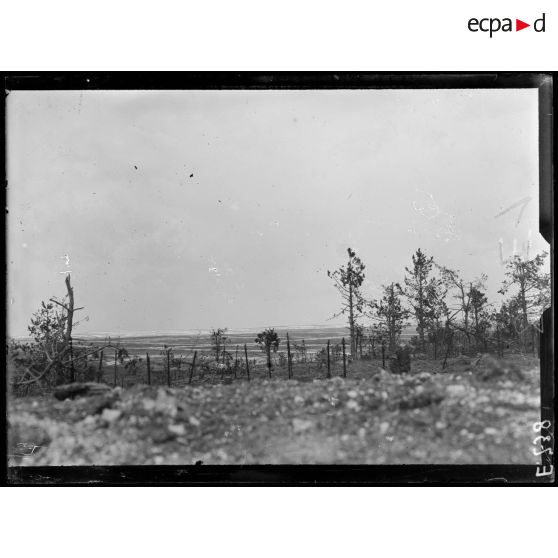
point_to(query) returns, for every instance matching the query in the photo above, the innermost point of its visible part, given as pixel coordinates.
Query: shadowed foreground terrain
(469, 414)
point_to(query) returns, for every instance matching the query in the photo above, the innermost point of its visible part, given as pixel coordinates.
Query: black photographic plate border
(312, 475)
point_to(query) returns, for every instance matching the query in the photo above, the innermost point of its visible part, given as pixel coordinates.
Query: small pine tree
(348, 281)
(389, 314)
(530, 292)
(421, 290)
(479, 312)
(268, 341)
(219, 342)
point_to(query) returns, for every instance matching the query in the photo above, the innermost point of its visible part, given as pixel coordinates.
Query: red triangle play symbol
(519, 25)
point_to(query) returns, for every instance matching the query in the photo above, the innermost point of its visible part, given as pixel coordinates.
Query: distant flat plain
(314, 337)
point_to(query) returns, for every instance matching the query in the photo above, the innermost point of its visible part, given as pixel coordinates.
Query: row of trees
(449, 312)
(267, 340)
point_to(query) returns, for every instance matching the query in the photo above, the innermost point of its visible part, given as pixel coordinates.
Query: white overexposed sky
(283, 182)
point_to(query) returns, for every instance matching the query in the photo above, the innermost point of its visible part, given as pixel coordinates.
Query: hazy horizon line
(194, 331)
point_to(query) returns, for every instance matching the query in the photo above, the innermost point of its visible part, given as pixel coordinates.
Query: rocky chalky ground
(470, 414)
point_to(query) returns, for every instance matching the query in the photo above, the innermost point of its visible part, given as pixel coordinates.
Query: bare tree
(462, 293)
(52, 349)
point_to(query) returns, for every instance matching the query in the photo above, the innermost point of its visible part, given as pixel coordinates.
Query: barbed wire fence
(173, 366)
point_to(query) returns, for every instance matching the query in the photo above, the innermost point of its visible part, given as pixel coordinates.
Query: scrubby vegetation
(463, 390)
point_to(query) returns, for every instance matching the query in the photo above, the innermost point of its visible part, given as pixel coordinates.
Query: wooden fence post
(448, 350)
(148, 369)
(168, 368)
(72, 369)
(498, 341)
(247, 365)
(383, 355)
(235, 362)
(115, 359)
(360, 345)
(344, 359)
(100, 370)
(268, 351)
(328, 365)
(193, 367)
(289, 361)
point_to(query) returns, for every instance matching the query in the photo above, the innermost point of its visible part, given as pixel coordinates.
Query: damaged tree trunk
(70, 309)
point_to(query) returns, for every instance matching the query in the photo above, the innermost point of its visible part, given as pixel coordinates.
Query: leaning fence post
(148, 369)
(100, 370)
(328, 365)
(289, 361)
(247, 365)
(193, 367)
